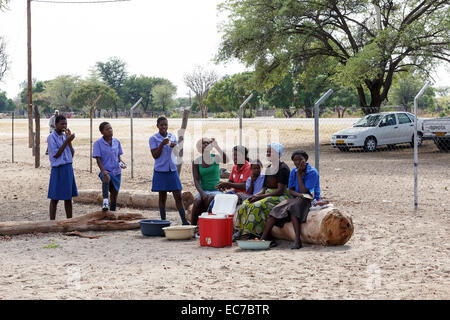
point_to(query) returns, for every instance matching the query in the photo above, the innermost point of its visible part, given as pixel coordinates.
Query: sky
(159, 38)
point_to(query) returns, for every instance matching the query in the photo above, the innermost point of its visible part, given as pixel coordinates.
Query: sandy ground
(394, 253)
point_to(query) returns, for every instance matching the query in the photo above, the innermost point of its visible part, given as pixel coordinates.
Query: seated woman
(253, 213)
(303, 179)
(205, 170)
(255, 182)
(239, 174)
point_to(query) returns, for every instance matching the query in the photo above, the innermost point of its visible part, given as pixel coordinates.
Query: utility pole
(30, 98)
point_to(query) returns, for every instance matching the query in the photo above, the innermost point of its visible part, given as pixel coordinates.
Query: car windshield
(370, 120)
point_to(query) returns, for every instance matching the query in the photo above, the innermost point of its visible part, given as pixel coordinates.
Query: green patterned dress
(252, 217)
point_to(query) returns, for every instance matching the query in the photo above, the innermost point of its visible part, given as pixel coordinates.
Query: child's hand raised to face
(70, 136)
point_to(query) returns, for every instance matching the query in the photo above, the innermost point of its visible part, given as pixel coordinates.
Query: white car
(384, 128)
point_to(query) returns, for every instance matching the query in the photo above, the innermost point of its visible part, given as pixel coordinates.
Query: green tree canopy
(163, 95)
(58, 90)
(6, 105)
(37, 91)
(112, 72)
(84, 95)
(135, 87)
(272, 35)
(406, 87)
(230, 92)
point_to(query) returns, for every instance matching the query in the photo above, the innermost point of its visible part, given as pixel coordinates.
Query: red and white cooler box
(216, 229)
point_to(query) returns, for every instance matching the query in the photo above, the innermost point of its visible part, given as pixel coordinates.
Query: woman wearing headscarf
(253, 213)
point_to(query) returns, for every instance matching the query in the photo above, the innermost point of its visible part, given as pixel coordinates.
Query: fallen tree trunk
(133, 199)
(326, 227)
(96, 221)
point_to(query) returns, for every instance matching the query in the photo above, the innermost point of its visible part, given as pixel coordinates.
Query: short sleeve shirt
(109, 154)
(281, 175)
(167, 160)
(55, 141)
(258, 184)
(241, 175)
(310, 180)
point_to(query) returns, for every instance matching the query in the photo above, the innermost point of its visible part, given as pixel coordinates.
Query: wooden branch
(96, 221)
(78, 234)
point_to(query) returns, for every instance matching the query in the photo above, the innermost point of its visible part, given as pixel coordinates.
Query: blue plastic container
(153, 228)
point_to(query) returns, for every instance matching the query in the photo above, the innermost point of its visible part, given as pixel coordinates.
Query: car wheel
(343, 149)
(370, 145)
(419, 140)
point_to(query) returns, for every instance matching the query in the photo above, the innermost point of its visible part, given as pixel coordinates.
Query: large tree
(58, 90)
(406, 87)
(5, 103)
(230, 92)
(200, 81)
(113, 73)
(37, 91)
(84, 95)
(163, 95)
(272, 35)
(136, 87)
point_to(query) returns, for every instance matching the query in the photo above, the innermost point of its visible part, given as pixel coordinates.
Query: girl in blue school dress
(62, 184)
(107, 152)
(165, 174)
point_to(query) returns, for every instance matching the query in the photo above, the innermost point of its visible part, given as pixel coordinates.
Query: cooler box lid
(224, 204)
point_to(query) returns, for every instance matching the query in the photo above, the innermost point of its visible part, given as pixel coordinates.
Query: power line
(80, 2)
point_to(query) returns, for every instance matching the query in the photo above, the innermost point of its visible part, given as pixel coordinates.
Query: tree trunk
(181, 138)
(133, 199)
(309, 112)
(326, 227)
(96, 221)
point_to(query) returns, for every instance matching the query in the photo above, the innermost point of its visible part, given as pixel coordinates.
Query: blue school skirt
(62, 184)
(115, 180)
(166, 181)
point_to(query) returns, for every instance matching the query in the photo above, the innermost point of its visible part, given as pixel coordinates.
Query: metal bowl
(253, 244)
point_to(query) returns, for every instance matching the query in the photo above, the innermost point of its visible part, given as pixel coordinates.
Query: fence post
(90, 144)
(131, 128)
(37, 138)
(12, 137)
(181, 132)
(416, 147)
(316, 125)
(241, 109)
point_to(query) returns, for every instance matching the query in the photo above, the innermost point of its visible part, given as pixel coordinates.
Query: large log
(326, 227)
(96, 221)
(133, 199)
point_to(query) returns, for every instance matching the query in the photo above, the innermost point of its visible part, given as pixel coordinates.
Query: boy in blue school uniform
(107, 152)
(165, 174)
(62, 184)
